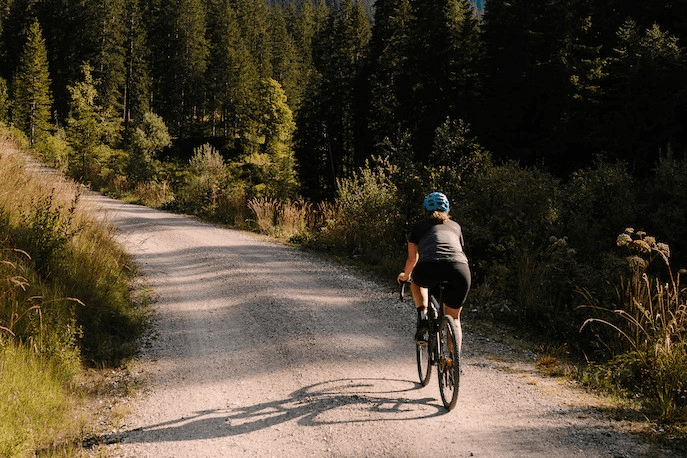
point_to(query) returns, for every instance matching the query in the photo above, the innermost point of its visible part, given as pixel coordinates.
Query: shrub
(597, 202)
(509, 214)
(154, 194)
(205, 182)
(370, 224)
(147, 140)
(664, 210)
(283, 219)
(265, 211)
(54, 150)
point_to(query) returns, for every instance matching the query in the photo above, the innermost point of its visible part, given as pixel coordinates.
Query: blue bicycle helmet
(436, 201)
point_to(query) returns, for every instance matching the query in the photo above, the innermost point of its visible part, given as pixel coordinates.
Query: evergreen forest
(556, 128)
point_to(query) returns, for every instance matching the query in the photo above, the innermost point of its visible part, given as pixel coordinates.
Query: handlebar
(402, 290)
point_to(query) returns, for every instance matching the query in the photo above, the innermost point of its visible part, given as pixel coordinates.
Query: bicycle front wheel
(424, 366)
(448, 366)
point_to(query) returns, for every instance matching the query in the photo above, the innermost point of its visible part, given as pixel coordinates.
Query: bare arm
(413, 256)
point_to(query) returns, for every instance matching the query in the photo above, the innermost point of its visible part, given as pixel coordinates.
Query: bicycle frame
(440, 349)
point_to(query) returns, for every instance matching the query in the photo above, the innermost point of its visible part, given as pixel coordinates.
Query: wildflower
(641, 246)
(623, 239)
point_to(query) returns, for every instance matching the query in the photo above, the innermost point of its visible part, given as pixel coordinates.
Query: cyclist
(435, 255)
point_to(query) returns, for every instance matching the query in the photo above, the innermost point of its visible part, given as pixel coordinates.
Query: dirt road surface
(260, 350)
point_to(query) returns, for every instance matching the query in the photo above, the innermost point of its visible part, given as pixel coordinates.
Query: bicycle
(439, 347)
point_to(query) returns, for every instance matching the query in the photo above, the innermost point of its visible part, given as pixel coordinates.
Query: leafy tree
(269, 166)
(32, 97)
(89, 125)
(147, 140)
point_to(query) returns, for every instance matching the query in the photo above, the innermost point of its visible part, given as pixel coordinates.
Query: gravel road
(261, 350)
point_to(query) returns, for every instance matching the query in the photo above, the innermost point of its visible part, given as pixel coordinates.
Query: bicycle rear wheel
(424, 366)
(448, 366)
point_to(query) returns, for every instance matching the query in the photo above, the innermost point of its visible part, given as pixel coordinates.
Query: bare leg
(455, 313)
(420, 296)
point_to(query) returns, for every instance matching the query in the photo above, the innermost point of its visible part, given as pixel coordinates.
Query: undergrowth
(646, 331)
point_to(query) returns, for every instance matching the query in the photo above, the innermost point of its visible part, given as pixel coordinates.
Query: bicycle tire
(448, 366)
(424, 365)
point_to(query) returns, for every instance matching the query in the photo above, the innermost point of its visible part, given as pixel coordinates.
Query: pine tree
(179, 59)
(645, 95)
(388, 53)
(232, 74)
(137, 85)
(340, 58)
(286, 62)
(89, 125)
(32, 100)
(253, 18)
(269, 167)
(303, 28)
(328, 129)
(441, 67)
(109, 59)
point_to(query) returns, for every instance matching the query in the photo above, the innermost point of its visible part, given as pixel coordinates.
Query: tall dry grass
(65, 299)
(650, 322)
(280, 218)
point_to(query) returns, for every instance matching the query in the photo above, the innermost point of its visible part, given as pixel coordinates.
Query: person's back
(439, 241)
(435, 255)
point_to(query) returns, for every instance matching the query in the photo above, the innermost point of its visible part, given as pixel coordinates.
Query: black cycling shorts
(429, 274)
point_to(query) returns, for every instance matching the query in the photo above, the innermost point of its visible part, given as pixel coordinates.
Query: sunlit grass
(36, 410)
(66, 302)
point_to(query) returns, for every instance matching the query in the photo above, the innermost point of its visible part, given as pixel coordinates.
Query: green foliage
(207, 190)
(32, 99)
(4, 101)
(509, 209)
(456, 157)
(598, 201)
(664, 209)
(232, 73)
(268, 167)
(369, 224)
(75, 294)
(525, 269)
(147, 140)
(46, 229)
(55, 150)
(179, 59)
(441, 68)
(88, 126)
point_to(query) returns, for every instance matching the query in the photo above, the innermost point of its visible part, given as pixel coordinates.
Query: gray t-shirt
(438, 241)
